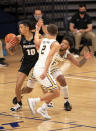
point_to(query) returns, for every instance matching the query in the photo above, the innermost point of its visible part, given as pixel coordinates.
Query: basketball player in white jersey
(48, 47)
(60, 57)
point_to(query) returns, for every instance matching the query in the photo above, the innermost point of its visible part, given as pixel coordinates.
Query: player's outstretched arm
(82, 61)
(37, 39)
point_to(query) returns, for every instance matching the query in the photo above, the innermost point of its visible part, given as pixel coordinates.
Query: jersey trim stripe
(52, 82)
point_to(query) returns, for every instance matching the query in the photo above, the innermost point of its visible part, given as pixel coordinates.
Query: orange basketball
(11, 39)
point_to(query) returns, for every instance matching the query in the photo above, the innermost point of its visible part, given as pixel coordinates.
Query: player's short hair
(26, 23)
(52, 29)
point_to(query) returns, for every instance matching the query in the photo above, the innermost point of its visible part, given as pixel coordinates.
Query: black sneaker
(16, 108)
(14, 101)
(67, 106)
(1, 59)
(3, 64)
(50, 105)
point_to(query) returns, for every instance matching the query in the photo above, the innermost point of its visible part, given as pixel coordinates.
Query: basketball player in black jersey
(30, 57)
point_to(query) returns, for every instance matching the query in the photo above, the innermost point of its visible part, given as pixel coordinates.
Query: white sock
(44, 106)
(37, 99)
(64, 90)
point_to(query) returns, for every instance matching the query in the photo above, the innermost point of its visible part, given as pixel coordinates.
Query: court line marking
(80, 78)
(76, 125)
(73, 74)
(66, 76)
(82, 72)
(37, 118)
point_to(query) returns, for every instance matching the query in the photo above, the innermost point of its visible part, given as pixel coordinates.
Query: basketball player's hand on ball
(10, 47)
(87, 55)
(11, 40)
(10, 44)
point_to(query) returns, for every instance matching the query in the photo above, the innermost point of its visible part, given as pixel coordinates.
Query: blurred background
(58, 11)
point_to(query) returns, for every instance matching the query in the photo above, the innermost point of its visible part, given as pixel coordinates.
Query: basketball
(11, 39)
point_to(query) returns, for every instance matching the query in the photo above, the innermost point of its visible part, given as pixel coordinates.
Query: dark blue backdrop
(8, 24)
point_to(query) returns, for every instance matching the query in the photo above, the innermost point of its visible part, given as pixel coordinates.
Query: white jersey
(44, 51)
(48, 82)
(57, 59)
(54, 70)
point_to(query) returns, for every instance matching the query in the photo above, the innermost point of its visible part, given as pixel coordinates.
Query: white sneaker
(44, 113)
(32, 103)
(50, 105)
(16, 108)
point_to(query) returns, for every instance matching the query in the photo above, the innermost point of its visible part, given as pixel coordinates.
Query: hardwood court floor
(82, 92)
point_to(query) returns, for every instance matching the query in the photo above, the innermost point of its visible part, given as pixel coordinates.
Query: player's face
(22, 29)
(64, 45)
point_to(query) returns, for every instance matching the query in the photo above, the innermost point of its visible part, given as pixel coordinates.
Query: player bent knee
(29, 87)
(61, 80)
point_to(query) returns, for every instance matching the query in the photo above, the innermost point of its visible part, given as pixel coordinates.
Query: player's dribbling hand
(88, 55)
(10, 44)
(10, 47)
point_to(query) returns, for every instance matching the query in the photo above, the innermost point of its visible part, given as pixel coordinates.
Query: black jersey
(30, 54)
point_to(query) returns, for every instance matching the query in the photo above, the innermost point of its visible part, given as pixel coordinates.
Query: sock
(64, 90)
(37, 99)
(44, 106)
(66, 99)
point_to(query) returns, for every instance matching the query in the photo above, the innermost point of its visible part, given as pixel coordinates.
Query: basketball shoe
(67, 106)
(43, 113)
(14, 101)
(3, 64)
(16, 108)
(32, 103)
(50, 105)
